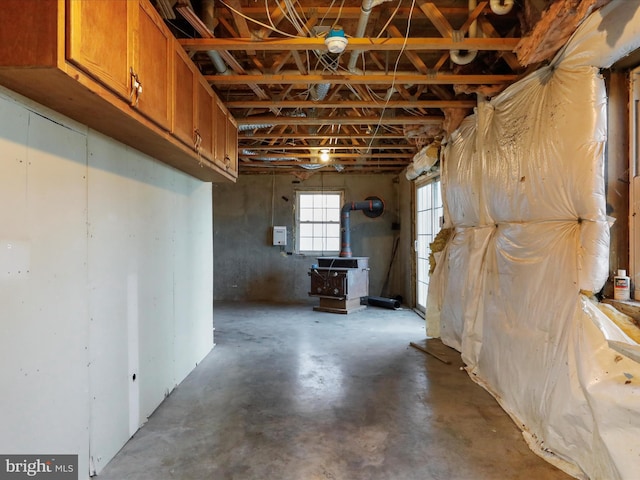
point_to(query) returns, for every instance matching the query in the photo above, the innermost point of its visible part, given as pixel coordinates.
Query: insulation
(523, 191)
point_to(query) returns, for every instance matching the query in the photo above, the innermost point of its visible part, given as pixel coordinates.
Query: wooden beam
(373, 79)
(436, 17)
(352, 103)
(293, 162)
(269, 120)
(365, 44)
(306, 136)
(327, 170)
(297, 148)
(413, 57)
(295, 156)
(344, 13)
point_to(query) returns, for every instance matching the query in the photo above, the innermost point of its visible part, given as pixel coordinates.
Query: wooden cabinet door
(98, 41)
(153, 65)
(184, 80)
(205, 102)
(232, 145)
(220, 141)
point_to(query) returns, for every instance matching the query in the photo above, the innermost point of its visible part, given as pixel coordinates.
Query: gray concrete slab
(293, 394)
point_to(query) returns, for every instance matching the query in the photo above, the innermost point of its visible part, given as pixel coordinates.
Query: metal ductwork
(208, 19)
(372, 207)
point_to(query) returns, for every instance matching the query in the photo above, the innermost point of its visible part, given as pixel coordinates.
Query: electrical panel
(280, 235)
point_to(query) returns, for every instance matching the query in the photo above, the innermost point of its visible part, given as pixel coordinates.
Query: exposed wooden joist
(365, 44)
(295, 156)
(268, 120)
(307, 136)
(344, 12)
(297, 148)
(436, 17)
(353, 103)
(293, 162)
(410, 79)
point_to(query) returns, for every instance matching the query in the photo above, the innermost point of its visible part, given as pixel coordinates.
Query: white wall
(106, 271)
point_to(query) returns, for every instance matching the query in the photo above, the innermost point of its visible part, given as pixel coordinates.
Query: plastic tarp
(523, 189)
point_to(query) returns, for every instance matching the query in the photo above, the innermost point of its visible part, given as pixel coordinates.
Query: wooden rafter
(364, 44)
(353, 103)
(370, 79)
(267, 120)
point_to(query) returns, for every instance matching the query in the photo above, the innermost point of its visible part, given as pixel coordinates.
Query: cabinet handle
(197, 140)
(227, 161)
(136, 88)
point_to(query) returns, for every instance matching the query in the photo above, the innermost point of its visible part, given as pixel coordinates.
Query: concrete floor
(289, 393)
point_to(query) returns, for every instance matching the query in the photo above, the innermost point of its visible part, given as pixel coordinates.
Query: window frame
(298, 222)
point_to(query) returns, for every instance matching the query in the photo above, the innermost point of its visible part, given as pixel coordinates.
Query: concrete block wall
(249, 268)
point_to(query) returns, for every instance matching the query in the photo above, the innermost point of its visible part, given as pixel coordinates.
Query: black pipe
(383, 302)
(373, 206)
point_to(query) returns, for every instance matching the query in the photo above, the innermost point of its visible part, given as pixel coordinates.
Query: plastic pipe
(501, 7)
(464, 59)
(365, 11)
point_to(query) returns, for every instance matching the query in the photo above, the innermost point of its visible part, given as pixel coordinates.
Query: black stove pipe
(372, 207)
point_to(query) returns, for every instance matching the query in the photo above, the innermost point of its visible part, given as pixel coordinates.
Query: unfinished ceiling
(410, 71)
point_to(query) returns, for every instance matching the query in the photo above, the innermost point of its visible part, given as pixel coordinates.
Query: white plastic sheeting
(523, 187)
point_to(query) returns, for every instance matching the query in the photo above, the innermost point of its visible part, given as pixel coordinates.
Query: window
(318, 221)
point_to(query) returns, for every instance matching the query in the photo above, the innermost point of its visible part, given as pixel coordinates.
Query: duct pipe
(319, 91)
(456, 56)
(365, 11)
(501, 7)
(209, 20)
(372, 207)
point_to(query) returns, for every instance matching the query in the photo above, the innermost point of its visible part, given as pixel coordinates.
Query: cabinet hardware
(136, 88)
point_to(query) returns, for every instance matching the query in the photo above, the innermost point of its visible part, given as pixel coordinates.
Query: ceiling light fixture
(335, 40)
(324, 155)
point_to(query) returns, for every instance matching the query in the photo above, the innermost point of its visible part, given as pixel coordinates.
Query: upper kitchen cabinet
(185, 75)
(110, 62)
(114, 66)
(205, 101)
(231, 160)
(226, 139)
(153, 65)
(134, 61)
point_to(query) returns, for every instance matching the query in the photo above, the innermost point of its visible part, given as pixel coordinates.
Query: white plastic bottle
(621, 286)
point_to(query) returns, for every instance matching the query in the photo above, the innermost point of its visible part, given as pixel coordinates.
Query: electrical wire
(390, 19)
(395, 70)
(264, 25)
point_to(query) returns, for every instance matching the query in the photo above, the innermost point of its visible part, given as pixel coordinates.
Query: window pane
(306, 244)
(318, 244)
(333, 215)
(333, 230)
(306, 215)
(306, 230)
(306, 201)
(318, 230)
(333, 244)
(333, 201)
(318, 215)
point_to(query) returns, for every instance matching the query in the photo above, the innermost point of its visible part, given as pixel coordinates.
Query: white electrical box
(279, 235)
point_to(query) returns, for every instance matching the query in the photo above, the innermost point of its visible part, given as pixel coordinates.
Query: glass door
(428, 215)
